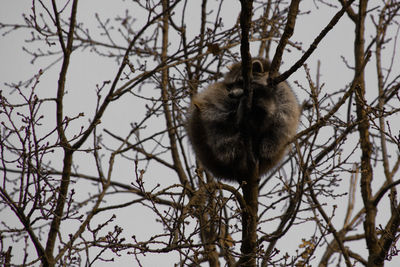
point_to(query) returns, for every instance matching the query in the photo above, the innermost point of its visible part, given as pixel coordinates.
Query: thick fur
(212, 123)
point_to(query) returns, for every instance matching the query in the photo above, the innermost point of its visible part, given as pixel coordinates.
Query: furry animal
(216, 137)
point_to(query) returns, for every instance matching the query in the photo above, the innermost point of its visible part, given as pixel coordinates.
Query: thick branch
(287, 33)
(312, 47)
(365, 143)
(250, 184)
(164, 95)
(65, 178)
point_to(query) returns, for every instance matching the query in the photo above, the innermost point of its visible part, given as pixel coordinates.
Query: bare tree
(69, 174)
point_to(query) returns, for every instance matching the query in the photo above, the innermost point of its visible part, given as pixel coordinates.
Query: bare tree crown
(114, 181)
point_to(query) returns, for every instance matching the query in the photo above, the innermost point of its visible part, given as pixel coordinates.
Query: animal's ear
(197, 104)
(257, 66)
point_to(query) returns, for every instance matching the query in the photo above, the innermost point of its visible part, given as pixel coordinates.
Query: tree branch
(65, 178)
(287, 33)
(312, 47)
(250, 184)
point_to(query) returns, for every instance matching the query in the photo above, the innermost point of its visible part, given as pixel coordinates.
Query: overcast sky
(88, 69)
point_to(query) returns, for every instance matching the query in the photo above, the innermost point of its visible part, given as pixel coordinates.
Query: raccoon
(216, 136)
